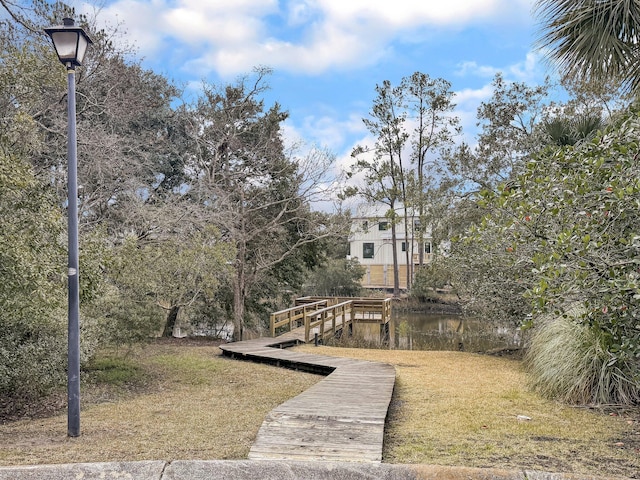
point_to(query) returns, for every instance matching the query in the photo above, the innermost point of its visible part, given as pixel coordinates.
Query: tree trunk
(238, 311)
(407, 249)
(172, 318)
(396, 270)
(239, 287)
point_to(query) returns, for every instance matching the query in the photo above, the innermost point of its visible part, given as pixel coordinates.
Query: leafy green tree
(156, 281)
(32, 292)
(507, 137)
(568, 231)
(33, 234)
(332, 272)
(429, 278)
(517, 123)
(588, 110)
(130, 143)
(429, 103)
(413, 118)
(151, 176)
(586, 231)
(510, 133)
(130, 140)
(490, 279)
(338, 277)
(24, 74)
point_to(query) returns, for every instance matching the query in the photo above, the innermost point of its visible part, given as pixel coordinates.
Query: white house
(371, 243)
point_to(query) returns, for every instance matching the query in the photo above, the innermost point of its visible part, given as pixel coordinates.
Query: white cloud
(408, 13)
(530, 70)
(233, 37)
(338, 49)
(300, 12)
(195, 27)
(473, 69)
(330, 132)
(467, 102)
(472, 96)
(141, 21)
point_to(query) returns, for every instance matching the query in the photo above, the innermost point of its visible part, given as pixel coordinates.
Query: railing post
(333, 320)
(351, 317)
(272, 320)
(307, 329)
(304, 312)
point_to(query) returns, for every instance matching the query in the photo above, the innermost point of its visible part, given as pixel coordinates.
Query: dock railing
(372, 310)
(367, 309)
(317, 312)
(295, 316)
(327, 320)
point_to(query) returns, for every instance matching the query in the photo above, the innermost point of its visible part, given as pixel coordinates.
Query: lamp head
(70, 42)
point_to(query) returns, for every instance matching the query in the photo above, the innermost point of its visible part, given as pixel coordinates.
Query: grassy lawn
(182, 402)
(454, 408)
(168, 402)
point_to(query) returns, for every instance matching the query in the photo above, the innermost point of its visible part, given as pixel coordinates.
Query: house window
(427, 247)
(404, 246)
(383, 226)
(416, 225)
(367, 250)
(365, 226)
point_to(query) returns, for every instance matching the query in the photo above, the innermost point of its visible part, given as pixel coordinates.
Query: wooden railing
(372, 310)
(327, 315)
(326, 320)
(295, 316)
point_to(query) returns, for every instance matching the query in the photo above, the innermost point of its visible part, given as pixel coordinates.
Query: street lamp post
(71, 44)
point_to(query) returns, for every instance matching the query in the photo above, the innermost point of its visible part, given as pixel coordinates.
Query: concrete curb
(152, 470)
(270, 470)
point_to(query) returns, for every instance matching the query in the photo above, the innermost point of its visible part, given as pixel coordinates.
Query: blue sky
(328, 55)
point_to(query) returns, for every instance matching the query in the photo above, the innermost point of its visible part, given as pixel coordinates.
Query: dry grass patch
(449, 408)
(453, 408)
(192, 404)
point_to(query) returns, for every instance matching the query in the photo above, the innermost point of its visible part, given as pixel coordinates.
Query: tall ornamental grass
(570, 362)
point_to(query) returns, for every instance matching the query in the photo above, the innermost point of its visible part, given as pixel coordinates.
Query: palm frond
(592, 39)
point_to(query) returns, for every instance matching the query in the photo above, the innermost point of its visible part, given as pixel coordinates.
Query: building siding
(366, 229)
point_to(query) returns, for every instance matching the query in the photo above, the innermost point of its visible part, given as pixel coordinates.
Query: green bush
(340, 278)
(564, 233)
(32, 363)
(430, 277)
(32, 291)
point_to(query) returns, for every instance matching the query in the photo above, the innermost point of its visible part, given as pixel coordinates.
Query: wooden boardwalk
(341, 418)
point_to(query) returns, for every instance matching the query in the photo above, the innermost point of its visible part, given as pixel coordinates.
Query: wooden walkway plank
(341, 418)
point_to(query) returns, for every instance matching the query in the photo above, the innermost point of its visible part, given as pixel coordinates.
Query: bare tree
(247, 183)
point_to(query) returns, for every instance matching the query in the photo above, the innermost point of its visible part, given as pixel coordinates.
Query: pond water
(423, 331)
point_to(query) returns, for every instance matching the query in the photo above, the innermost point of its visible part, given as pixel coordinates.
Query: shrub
(32, 292)
(570, 362)
(429, 278)
(563, 233)
(339, 278)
